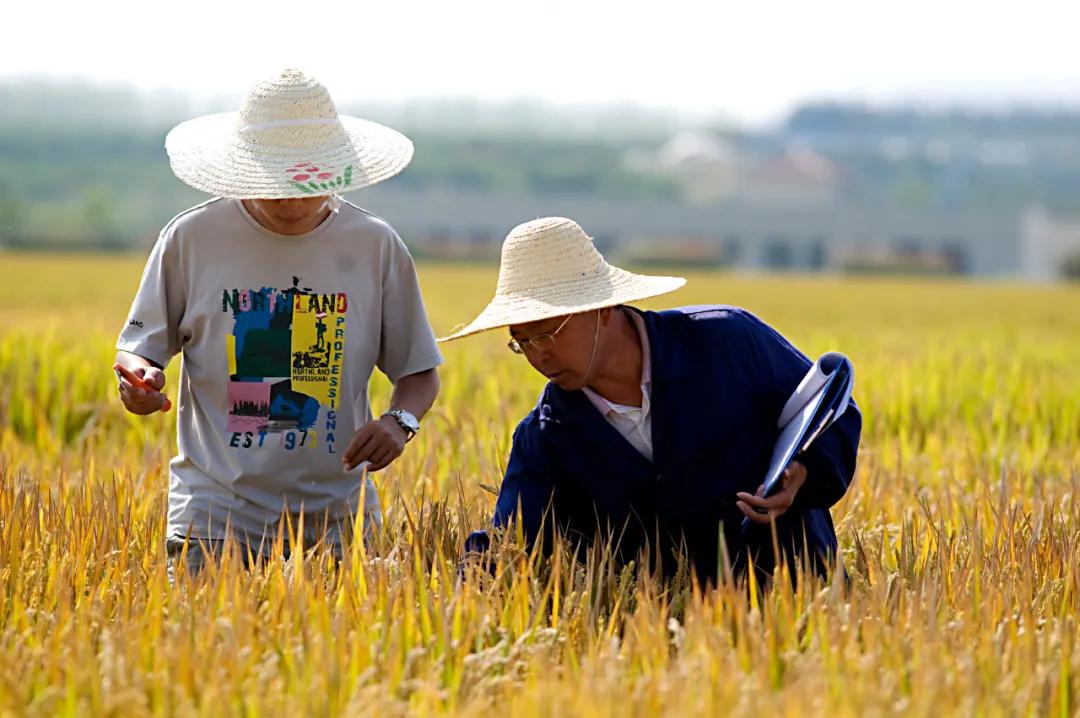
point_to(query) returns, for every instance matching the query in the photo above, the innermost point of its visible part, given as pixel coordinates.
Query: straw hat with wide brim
(286, 141)
(550, 268)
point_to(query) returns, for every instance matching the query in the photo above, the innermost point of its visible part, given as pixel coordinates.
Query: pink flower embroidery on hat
(301, 178)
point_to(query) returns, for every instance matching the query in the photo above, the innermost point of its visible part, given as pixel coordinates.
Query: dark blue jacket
(720, 377)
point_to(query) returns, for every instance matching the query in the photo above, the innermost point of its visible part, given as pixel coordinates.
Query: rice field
(961, 534)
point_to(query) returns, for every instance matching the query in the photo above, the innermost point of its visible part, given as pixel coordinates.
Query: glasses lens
(541, 341)
(514, 346)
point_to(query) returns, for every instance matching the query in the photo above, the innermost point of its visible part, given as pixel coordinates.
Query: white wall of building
(1046, 242)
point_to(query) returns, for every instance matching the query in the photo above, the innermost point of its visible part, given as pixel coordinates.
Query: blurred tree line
(111, 187)
(84, 165)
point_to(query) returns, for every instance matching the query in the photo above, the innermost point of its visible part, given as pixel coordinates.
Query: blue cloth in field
(720, 377)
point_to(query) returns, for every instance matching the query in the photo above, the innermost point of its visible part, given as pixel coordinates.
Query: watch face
(409, 421)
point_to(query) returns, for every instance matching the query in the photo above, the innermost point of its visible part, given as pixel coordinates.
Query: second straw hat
(550, 268)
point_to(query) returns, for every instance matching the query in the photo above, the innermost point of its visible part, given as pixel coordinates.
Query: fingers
(140, 387)
(379, 453)
(354, 446)
(795, 473)
(359, 448)
(145, 405)
(154, 377)
(779, 500)
(132, 391)
(374, 444)
(138, 400)
(753, 515)
(382, 458)
(386, 453)
(138, 394)
(763, 510)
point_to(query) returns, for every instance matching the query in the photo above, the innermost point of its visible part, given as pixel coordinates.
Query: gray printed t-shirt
(279, 336)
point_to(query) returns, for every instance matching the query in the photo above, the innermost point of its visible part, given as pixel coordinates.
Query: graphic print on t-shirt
(285, 363)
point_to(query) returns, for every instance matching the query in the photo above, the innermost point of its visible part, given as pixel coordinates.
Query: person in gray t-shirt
(283, 300)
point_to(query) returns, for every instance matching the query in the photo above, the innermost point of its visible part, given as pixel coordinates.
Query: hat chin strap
(595, 344)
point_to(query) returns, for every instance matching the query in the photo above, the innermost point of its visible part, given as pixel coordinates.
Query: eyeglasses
(540, 341)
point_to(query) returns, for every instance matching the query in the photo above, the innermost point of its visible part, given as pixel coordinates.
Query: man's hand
(142, 401)
(477, 555)
(763, 511)
(379, 442)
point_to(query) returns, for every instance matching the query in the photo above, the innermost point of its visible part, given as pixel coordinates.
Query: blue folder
(820, 399)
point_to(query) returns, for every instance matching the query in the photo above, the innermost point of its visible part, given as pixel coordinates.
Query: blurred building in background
(841, 188)
(835, 189)
(1050, 245)
(776, 237)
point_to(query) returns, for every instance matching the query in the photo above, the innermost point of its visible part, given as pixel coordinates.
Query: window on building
(778, 253)
(817, 255)
(732, 249)
(957, 257)
(907, 245)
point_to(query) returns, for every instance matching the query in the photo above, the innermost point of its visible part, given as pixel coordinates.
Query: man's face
(297, 215)
(565, 360)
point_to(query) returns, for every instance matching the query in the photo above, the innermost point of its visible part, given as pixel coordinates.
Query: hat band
(301, 122)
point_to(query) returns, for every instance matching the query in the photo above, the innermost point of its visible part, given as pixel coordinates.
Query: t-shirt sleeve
(152, 329)
(406, 343)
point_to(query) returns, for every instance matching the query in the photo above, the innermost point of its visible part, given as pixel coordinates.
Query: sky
(751, 61)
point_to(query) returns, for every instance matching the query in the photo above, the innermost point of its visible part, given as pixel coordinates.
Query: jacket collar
(669, 370)
(668, 359)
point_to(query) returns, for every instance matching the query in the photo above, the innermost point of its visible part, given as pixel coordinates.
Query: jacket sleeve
(830, 460)
(527, 486)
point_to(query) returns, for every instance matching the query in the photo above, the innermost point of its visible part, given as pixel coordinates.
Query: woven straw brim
(616, 286)
(210, 154)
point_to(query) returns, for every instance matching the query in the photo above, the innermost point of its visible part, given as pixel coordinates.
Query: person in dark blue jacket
(655, 429)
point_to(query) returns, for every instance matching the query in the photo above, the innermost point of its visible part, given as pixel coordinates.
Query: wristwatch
(406, 421)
